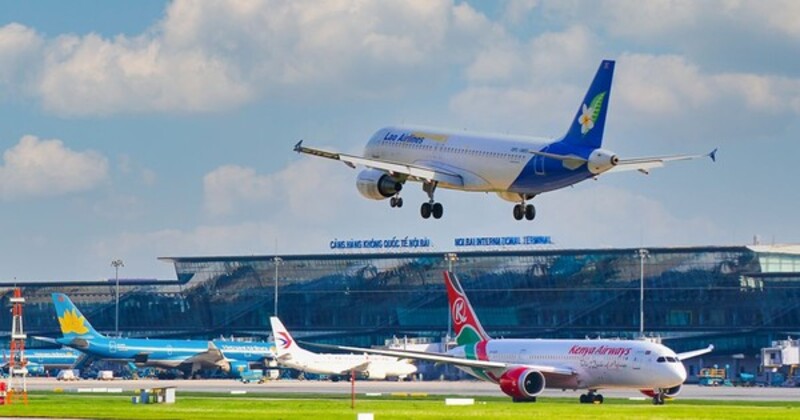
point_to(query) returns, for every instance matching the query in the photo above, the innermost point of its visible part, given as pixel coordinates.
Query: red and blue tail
(466, 324)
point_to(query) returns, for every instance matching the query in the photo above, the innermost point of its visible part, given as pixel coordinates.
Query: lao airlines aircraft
(516, 168)
(291, 355)
(523, 368)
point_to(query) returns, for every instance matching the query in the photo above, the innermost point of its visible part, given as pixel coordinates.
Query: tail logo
(459, 311)
(590, 113)
(285, 340)
(72, 323)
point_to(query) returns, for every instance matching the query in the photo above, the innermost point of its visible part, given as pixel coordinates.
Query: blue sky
(142, 129)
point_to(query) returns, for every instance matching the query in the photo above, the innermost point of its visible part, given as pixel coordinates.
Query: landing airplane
(516, 168)
(40, 361)
(291, 355)
(523, 368)
(188, 355)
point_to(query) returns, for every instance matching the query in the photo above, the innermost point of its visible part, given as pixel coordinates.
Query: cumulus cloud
(35, 168)
(206, 56)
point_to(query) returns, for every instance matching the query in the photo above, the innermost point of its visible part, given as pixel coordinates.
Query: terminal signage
(503, 241)
(377, 243)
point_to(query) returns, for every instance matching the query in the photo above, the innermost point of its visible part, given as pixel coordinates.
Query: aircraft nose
(679, 372)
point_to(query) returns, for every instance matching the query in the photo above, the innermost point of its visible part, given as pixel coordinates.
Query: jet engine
(669, 393)
(377, 374)
(522, 384)
(601, 160)
(377, 185)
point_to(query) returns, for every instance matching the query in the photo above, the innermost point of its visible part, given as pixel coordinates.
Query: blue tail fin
(587, 127)
(72, 322)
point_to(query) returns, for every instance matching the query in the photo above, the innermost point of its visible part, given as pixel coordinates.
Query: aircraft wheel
(598, 399)
(393, 202)
(438, 210)
(425, 210)
(518, 212)
(399, 202)
(658, 399)
(530, 212)
(584, 399)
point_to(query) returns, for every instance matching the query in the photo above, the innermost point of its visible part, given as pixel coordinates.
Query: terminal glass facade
(741, 297)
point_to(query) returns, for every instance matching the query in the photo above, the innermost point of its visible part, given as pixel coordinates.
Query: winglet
(299, 146)
(713, 154)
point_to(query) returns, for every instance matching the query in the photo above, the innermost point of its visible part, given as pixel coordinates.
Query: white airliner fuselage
(517, 168)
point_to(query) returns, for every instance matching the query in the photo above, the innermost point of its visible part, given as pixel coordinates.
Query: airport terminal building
(739, 298)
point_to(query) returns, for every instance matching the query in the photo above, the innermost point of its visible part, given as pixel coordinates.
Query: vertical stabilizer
(284, 343)
(587, 126)
(467, 327)
(73, 323)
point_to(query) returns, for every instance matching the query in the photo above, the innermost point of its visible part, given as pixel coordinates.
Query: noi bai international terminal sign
(425, 243)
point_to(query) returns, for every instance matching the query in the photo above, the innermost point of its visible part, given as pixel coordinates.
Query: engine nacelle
(376, 374)
(522, 383)
(377, 185)
(601, 160)
(669, 393)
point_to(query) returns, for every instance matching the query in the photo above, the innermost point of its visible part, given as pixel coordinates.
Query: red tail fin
(465, 322)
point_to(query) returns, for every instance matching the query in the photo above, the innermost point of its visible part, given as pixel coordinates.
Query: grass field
(319, 407)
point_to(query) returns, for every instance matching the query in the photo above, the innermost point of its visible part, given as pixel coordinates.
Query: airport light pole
(450, 257)
(117, 264)
(643, 253)
(278, 261)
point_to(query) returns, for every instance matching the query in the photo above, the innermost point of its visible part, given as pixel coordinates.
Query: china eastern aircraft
(516, 168)
(523, 368)
(290, 354)
(188, 355)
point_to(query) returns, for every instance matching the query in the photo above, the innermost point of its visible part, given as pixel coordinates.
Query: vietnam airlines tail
(72, 322)
(516, 168)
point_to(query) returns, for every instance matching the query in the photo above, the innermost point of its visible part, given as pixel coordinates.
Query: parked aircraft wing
(695, 353)
(452, 360)
(212, 356)
(420, 173)
(645, 164)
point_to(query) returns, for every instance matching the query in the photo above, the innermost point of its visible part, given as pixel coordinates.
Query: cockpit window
(672, 359)
(660, 360)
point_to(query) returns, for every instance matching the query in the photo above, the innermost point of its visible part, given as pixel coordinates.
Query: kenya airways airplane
(516, 168)
(291, 355)
(523, 368)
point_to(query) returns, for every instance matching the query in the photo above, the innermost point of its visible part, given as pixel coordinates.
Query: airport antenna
(17, 372)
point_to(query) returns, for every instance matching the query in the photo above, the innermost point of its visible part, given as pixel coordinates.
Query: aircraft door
(112, 346)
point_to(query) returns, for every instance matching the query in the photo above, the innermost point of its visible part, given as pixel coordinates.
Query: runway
(463, 388)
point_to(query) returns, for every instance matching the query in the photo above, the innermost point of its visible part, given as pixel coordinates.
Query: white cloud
(206, 56)
(229, 186)
(47, 168)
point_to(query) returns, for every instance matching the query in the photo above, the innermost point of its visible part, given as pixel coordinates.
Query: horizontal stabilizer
(645, 164)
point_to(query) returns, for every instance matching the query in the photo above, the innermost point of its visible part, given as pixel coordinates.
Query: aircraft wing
(212, 356)
(421, 173)
(645, 164)
(695, 353)
(452, 360)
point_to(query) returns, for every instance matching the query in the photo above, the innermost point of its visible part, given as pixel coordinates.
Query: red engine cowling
(669, 393)
(522, 383)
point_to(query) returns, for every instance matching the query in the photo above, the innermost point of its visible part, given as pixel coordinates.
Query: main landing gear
(591, 398)
(431, 208)
(522, 209)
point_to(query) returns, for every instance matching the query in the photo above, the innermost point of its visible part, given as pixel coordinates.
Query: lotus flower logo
(72, 323)
(590, 113)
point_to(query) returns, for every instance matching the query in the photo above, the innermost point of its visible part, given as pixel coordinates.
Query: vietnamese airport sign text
(425, 242)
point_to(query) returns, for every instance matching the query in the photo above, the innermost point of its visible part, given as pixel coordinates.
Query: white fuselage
(631, 364)
(485, 162)
(373, 366)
